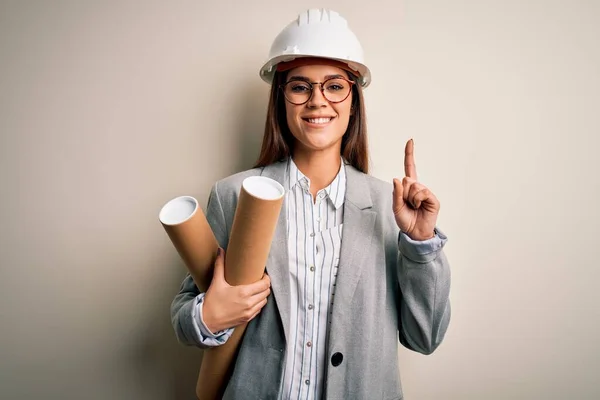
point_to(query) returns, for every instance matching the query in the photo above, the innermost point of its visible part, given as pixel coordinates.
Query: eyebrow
(304, 78)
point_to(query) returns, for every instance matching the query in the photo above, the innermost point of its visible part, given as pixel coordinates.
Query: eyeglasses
(335, 90)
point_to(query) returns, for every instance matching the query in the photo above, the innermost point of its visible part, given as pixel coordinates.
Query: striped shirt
(315, 234)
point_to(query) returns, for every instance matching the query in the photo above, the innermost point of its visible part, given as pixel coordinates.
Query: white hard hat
(317, 33)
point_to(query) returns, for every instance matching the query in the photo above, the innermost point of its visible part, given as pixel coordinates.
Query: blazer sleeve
(186, 303)
(424, 280)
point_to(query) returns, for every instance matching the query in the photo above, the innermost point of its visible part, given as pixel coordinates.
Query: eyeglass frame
(312, 89)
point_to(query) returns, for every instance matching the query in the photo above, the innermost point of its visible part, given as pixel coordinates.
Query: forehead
(317, 72)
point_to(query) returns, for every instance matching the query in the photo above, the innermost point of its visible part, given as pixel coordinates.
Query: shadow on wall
(161, 362)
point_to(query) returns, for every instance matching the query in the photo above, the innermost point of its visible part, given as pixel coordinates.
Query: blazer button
(336, 359)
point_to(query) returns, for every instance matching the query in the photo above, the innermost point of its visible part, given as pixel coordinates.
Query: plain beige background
(110, 108)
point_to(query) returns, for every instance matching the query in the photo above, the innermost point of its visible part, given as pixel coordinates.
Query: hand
(227, 306)
(415, 207)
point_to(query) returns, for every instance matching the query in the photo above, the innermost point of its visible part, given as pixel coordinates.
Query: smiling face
(318, 124)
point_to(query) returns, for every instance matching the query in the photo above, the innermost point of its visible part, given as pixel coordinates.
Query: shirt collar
(335, 191)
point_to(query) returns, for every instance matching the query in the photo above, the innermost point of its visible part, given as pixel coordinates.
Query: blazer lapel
(357, 233)
(278, 261)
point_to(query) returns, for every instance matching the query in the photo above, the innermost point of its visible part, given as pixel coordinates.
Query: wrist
(208, 323)
(207, 318)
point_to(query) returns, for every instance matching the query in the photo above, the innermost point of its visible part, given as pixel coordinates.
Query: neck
(321, 167)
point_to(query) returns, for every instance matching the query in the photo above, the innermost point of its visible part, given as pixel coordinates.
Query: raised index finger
(410, 170)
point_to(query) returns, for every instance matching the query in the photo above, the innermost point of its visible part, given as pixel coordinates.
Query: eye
(298, 87)
(335, 86)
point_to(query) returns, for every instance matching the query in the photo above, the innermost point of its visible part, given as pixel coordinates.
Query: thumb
(398, 201)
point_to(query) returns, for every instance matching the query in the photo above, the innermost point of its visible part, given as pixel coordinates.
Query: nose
(317, 99)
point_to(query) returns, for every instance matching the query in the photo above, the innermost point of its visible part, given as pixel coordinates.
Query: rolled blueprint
(192, 236)
(254, 224)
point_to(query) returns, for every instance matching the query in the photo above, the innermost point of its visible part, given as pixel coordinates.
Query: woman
(356, 265)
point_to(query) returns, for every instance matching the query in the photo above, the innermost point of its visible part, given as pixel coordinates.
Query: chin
(321, 145)
(317, 138)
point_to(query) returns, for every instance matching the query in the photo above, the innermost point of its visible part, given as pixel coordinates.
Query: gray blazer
(389, 291)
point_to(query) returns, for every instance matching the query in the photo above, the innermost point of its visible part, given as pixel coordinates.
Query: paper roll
(254, 224)
(192, 236)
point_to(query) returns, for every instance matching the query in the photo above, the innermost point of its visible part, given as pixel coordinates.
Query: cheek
(344, 114)
(290, 117)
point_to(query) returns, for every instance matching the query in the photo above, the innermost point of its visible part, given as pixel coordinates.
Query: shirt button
(310, 307)
(309, 344)
(312, 234)
(318, 219)
(312, 268)
(307, 382)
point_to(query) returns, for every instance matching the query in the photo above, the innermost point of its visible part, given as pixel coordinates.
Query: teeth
(319, 120)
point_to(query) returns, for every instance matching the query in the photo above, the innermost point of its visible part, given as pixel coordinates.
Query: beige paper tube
(254, 224)
(192, 236)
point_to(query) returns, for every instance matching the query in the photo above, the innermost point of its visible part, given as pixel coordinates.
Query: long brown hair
(278, 141)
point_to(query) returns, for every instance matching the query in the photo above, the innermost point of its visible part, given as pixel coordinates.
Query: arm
(424, 279)
(186, 307)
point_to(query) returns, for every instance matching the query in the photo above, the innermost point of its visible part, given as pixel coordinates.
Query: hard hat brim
(268, 70)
